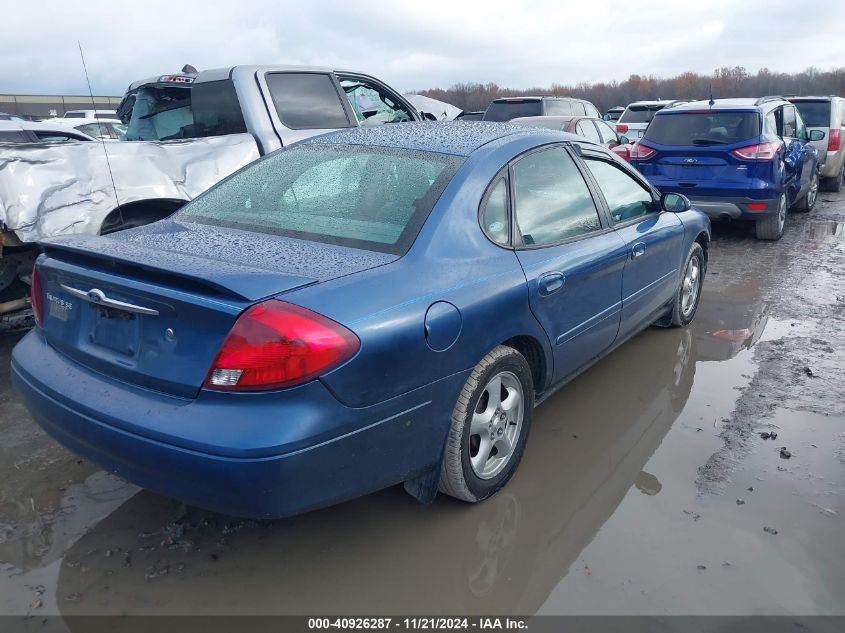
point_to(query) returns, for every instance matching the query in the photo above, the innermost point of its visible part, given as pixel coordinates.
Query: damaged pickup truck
(185, 132)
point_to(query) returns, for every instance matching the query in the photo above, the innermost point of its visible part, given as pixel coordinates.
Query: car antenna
(711, 103)
(102, 140)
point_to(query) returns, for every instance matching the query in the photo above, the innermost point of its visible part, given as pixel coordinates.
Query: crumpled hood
(56, 189)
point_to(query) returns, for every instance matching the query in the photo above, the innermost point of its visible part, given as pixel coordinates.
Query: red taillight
(275, 344)
(834, 140)
(757, 206)
(36, 297)
(641, 152)
(763, 151)
(621, 128)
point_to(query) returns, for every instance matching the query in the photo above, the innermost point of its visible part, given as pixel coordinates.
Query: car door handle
(550, 283)
(637, 249)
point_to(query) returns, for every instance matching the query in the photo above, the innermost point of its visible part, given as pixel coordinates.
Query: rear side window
(371, 198)
(703, 128)
(307, 101)
(555, 107)
(591, 110)
(551, 198)
(814, 113)
(216, 109)
(639, 114)
(13, 137)
(74, 115)
(507, 110)
(494, 214)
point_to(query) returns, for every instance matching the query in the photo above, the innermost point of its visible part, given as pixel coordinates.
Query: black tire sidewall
(517, 365)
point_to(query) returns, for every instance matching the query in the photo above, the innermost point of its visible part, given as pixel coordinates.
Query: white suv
(828, 115)
(638, 115)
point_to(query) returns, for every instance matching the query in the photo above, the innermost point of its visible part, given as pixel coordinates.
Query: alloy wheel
(690, 286)
(496, 424)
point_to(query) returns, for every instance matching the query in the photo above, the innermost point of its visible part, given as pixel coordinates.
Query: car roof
(536, 98)
(458, 138)
(650, 102)
(40, 126)
(551, 118)
(812, 97)
(728, 104)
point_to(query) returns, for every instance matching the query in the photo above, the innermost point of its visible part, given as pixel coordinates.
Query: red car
(592, 128)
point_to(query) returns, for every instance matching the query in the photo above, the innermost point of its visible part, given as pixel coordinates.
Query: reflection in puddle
(826, 229)
(648, 484)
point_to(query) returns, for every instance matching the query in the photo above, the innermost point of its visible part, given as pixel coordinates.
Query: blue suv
(735, 159)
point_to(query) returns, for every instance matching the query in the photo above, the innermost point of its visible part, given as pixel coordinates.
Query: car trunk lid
(151, 307)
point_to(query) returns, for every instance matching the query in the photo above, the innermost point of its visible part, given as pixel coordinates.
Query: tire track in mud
(801, 372)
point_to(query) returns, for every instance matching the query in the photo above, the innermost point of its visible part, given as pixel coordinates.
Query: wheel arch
(139, 213)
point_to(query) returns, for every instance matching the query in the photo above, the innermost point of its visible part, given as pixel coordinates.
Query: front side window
(790, 125)
(551, 198)
(626, 198)
(307, 101)
(372, 104)
(371, 198)
(494, 214)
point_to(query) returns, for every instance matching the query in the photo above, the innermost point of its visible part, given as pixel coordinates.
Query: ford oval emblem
(96, 295)
(690, 161)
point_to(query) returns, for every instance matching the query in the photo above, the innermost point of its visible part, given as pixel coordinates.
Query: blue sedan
(366, 308)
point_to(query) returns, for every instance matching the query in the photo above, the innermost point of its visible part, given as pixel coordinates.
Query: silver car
(638, 115)
(828, 115)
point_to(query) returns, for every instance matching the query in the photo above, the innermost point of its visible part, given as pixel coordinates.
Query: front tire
(807, 203)
(771, 227)
(490, 424)
(689, 290)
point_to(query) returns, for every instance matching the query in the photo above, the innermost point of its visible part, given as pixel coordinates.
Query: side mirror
(815, 135)
(624, 140)
(675, 202)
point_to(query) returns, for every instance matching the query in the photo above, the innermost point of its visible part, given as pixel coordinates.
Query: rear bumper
(379, 446)
(733, 208)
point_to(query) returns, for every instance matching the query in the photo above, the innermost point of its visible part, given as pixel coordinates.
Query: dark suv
(735, 159)
(508, 108)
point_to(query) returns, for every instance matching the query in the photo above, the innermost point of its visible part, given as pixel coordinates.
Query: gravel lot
(646, 487)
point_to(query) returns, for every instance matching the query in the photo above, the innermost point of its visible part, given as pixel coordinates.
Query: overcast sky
(411, 44)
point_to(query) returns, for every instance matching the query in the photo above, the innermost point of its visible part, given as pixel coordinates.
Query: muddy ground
(646, 487)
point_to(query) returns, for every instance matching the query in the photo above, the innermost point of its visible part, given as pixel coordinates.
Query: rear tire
(834, 184)
(807, 203)
(771, 227)
(490, 425)
(689, 290)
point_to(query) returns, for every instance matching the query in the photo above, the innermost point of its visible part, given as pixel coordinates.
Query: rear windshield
(639, 114)
(703, 128)
(507, 110)
(371, 198)
(814, 113)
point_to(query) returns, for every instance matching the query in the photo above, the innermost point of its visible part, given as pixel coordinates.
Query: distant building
(45, 106)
